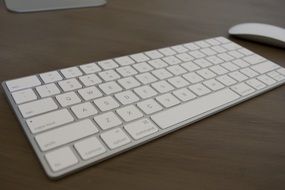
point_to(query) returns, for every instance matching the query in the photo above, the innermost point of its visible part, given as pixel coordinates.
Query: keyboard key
(146, 78)
(125, 60)
(214, 59)
(90, 80)
(191, 46)
(176, 70)
(162, 86)
(196, 54)
(110, 87)
(219, 49)
(68, 99)
(208, 51)
(49, 120)
(178, 82)
(193, 108)
(65, 134)
(213, 84)
(231, 46)
(109, 75)
(266, 79)
(226, 80)
(256, 84)
(90, 93)
(90, 68)
(240, 63)
(157, 63)
(141, 128)
(69, 84)
(167, 51)
(129, 113)
(47, 90)
(129, 82)
(149, 106)
(281, 71)
(127, 97)
(171, 60)
(139, 57)
(61, 158)
(89, 148)
(108, 64)
(192, 77)
(254, 59)
(71, 72)
(225, 57)
(167, 100)
(190, 66)
(127, 71)
(206, 73)
(142, 67)
(249, 72)
(179, 49)
(107, 120)
(145, 92)
(184, 94)
(199, 89)
(37, 107)
(213, 42)
(106, 103)
(154, 54)
(275, 75)
(84, 110)
(242, 89)
(162, 74)
(115, 138)
(265, 67)
(24, 96)
(202, 63)
(238, 76)
(22, 83)
(230, 66)
(52, 76)
(202, 44)
(218, 70)
(184, 57)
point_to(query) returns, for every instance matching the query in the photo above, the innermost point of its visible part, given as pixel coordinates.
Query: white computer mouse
(258, 32)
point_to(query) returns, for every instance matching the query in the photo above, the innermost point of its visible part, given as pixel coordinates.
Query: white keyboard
(79, 116)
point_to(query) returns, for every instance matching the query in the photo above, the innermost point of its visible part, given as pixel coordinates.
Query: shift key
(65, 134)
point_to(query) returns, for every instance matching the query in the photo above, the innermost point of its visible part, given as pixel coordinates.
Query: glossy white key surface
(115, 138)
(49, 120)
(24, 96)
(37, 107)
(89, 148)
(193, 108)
(81, 115)
(52, 76)
(141, 128)
(22, 83)
(107, 120)
(65, 134)
(61, 158)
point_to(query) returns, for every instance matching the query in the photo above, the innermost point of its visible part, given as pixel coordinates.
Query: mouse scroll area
(263, 33)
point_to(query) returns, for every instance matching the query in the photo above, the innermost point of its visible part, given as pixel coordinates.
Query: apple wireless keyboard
(79, 116)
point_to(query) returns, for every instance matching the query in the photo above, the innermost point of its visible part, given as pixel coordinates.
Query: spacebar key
(193, 108)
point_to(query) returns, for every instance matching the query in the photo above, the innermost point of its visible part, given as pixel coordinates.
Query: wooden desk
(240, 148)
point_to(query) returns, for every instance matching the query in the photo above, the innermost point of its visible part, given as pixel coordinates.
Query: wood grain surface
(240, 148)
